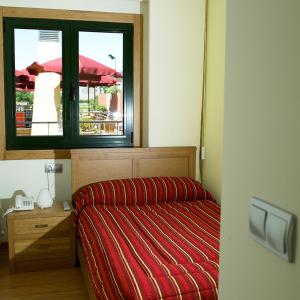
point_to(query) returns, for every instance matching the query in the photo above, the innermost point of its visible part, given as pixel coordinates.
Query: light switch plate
(276, 233)
(258, 217)
(272, 227)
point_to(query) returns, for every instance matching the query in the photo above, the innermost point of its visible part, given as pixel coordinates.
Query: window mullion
(74, 103)
(67, 81)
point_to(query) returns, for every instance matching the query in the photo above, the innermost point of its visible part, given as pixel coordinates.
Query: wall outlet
(202, 153)
(53, 168)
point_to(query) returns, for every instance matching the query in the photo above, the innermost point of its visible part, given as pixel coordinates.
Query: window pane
(101, 83)
(38, 70)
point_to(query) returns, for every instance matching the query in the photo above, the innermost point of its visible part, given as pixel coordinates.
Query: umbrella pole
(88, 98)
(94, 98)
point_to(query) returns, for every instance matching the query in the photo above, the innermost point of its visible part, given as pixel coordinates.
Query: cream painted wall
(29, 176)
(145, 104)
(122, 6)
(261, 143)
(214, 99)
(175, 72)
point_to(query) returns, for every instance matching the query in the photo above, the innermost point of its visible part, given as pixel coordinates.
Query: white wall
(29, 176)
(261, 143)
(122, 6)
(175, 72)
(145, 106)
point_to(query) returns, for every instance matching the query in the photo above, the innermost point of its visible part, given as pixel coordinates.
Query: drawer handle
(41, 225)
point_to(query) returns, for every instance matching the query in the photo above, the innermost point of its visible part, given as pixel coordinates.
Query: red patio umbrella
(89, 69)
(91, 73)
(104, 81)
(24, 81)
(23, 76)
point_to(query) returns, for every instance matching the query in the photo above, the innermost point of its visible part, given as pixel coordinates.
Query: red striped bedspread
(150, 238)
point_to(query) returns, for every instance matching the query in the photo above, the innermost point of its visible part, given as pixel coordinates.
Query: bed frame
(92, 165)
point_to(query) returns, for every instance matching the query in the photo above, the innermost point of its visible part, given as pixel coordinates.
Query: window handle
(73, 93)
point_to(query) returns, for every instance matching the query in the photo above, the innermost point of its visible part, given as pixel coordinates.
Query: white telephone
(24, 203)
(21, 203)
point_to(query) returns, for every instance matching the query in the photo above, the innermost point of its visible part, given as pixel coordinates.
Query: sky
(95, 45)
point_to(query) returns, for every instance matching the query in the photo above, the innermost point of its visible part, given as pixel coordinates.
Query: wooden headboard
(92, 165)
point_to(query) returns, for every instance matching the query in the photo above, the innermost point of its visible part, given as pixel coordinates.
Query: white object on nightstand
(44, 199)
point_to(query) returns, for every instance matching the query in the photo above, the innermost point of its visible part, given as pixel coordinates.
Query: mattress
(159, 242)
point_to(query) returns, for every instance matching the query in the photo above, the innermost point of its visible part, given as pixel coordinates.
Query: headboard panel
(92, 165)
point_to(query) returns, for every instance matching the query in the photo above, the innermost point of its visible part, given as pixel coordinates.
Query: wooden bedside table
(41, 239)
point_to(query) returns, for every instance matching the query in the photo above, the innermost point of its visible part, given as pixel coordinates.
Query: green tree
(111, 89)
(22, 96)
(96, 106)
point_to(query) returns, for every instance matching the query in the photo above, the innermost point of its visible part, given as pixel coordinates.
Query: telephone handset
(21, 203)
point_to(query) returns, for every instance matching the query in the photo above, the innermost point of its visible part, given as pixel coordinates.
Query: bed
(153, 237)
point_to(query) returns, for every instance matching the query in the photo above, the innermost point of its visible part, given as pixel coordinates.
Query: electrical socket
(53, 168)
(202, 153)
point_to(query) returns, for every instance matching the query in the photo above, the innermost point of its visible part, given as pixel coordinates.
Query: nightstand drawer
(41, 225)
(42, 248)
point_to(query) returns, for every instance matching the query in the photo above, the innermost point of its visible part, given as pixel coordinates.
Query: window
(68, 84)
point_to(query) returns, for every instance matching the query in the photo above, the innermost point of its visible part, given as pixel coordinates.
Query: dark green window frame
(71, 138)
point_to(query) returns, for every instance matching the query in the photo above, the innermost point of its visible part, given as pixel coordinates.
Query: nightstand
(41, 239)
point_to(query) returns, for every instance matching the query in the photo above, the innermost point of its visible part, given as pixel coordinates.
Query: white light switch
(276, 231)
(272, 227)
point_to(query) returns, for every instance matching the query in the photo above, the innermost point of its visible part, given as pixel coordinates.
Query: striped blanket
(150, 238)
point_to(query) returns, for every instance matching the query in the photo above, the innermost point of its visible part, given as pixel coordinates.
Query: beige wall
(145, 104)
(261, 143)
(126, 6)
(174, 81)
(214, 99)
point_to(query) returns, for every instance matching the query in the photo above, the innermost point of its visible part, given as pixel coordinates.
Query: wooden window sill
(37, 154)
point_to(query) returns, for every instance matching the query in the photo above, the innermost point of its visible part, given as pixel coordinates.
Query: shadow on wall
(27, 178)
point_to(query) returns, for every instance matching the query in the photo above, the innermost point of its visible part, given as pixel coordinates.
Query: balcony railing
(93, 127)
(90, 123)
